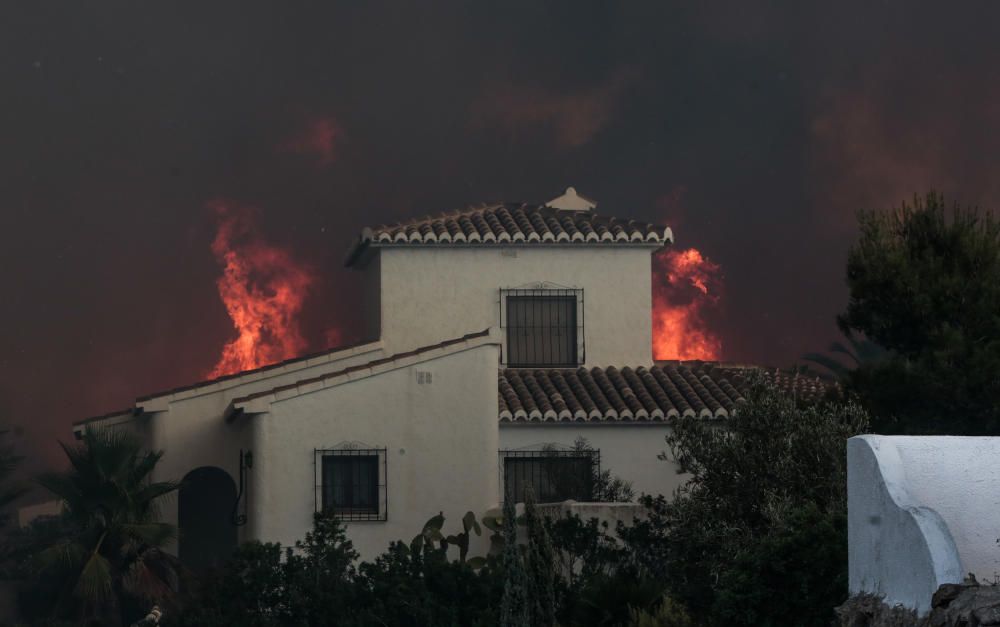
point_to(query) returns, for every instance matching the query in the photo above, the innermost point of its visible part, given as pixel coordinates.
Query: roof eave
(107, 420)
(260, 402)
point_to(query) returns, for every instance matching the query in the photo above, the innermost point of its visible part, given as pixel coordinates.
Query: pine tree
(514, 610)
(925, 285)
(540, 566)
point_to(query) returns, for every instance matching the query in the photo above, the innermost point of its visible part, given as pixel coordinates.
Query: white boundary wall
(922, 511)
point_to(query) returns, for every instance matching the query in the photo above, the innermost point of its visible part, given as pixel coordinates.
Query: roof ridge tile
(517, 223)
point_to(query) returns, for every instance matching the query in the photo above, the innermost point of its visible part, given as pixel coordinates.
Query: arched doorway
(204, 510)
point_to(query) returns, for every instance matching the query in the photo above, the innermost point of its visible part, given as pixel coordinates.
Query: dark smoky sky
(755, 129)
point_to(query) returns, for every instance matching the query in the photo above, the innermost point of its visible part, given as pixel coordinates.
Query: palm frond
(153, 534)
(63, 555)
(850, 353)
(869, 351)
(858, 351)
(145, 496)
(151, 577)
(59, 484)
(835, 367)
(145, 465)
(94, 583)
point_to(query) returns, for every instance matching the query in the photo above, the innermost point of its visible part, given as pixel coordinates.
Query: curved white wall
(922, 511)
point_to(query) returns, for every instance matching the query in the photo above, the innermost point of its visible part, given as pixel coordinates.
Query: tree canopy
(104, 559)
(757, 535)
(925, 284)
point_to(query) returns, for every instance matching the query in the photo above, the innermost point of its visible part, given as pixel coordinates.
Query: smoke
(318, 140)
(892, 132)
(572, 117)
(263, 288)
(687, 286)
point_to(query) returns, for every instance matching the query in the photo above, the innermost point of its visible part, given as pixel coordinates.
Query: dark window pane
(541, 331)
(350, 483)
(552, 478)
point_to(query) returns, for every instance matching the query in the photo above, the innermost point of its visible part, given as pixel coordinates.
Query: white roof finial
(571, 201)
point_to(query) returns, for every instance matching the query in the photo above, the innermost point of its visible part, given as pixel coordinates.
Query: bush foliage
(925, 284)
(757, 536)
(316, 583)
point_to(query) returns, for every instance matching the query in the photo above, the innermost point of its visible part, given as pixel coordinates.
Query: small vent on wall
(423, 378)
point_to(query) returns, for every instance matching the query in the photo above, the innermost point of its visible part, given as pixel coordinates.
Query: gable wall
(430, 294)
(193, 431)
(441, 440)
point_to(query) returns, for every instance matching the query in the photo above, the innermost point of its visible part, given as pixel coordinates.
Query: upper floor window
(351, 483)
(544, 327)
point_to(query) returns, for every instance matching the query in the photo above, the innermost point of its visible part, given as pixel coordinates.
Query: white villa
(500, 333)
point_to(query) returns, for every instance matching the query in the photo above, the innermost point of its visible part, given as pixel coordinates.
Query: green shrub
(608, 600)
(759, 525)
(264, 585)
(668, 613)
(410, 587)
(514, 608)
(315, 583)
(541, 564)
(796, 574)
(250, 591)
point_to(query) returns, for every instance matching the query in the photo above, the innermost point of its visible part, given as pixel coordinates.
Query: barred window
(543, 328)
(554, 476)
(351, 483)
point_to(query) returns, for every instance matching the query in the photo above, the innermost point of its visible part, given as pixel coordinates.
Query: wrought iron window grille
(351, 481)
(543, 327)
(554, 475)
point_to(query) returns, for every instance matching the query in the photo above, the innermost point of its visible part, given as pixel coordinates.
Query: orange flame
(691, 287)
(263, 289)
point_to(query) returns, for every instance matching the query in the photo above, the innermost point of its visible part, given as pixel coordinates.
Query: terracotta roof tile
(658, 394)
(512, 223)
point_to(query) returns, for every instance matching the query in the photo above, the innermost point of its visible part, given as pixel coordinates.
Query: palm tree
(109, 554)
(858, 351)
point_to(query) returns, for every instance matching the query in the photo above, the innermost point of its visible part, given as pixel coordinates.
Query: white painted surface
(189, 427)
(628, 450)
(441, 440)
(431, 294)
(922, 511)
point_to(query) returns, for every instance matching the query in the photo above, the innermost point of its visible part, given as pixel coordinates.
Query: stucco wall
(441, 440)
(431, 294)
(922, 511)
(189, 426)
(629, 451)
